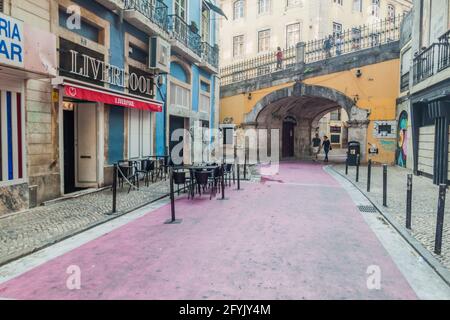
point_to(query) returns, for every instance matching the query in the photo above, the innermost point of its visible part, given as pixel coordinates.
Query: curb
(434, 263)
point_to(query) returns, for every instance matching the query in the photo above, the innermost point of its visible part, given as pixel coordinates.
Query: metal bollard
(173, 219)
(369, 174)
(409, 201)
(245, 165)
(346, 166)
(114, 189)
(385, 185)
(357, 168)
(223, 183)
(440, 219)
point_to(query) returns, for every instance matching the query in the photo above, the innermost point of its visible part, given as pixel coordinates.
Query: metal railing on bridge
(355, 39)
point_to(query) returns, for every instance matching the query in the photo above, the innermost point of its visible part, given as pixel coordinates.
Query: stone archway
(305, 103)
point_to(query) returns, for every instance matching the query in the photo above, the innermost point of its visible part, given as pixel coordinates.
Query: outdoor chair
(147, 169)
(128, 172)
(180, 178)
(202, 181)
(229, 172)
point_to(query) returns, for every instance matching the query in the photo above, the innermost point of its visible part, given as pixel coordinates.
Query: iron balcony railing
(355, 39)
(432, 60)
(210, 54)
(155, 11)
(181, 31)
(404, 82)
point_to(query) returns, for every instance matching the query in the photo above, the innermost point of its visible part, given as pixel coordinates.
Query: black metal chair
(202, 180)
(147, 168)
(229, 172)
(180, 178)
(161, 168)
(128, 172)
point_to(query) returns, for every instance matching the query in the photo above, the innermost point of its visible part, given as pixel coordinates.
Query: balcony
(432, 60)
(112, 4)
(184, 41)
(147, 15)
(210, 57)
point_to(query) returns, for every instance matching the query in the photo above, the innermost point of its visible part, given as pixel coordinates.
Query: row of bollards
(409, 197)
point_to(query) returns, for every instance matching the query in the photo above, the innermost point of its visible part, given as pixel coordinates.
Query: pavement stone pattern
(28, 231)
(424, 203)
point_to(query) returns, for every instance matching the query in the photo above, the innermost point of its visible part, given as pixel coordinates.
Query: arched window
(238, 9)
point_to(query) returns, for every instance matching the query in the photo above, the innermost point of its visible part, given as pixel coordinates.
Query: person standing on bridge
(279, 56)
(316, 147)
(326, 147)
(327, 45)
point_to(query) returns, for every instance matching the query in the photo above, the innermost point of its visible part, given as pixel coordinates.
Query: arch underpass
(295, 111)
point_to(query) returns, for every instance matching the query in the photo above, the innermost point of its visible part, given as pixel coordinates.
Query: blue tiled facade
(192, 69)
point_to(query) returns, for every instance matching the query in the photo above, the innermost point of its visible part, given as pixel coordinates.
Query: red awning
(88, 94)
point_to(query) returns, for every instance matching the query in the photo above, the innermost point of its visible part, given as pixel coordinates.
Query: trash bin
(354, 150)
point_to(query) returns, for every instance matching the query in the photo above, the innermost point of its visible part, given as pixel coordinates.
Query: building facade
(27, 63)
(126, 74)
(256, 27)
(423, 109)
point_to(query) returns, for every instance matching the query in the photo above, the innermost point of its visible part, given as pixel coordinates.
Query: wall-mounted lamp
(249, 96)
(358, 73)
(356, 98)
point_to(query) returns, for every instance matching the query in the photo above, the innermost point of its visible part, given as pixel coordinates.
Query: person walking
(316, 147)
(339, 42)
(327, 44)
(279, 56)
(326, 147)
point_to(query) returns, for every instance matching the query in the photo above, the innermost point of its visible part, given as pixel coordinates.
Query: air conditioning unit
(159, 57)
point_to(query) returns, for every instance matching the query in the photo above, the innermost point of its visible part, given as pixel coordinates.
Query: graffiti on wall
(402, 140)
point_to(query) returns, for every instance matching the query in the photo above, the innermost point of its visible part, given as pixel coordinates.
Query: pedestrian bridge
(362, 76)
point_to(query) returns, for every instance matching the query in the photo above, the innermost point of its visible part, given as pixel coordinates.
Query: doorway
(80, 146)
(288, 138)
(69, 151)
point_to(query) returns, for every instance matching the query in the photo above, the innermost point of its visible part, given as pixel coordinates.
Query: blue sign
(11, 41)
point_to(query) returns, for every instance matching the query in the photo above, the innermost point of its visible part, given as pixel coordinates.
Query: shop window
(11, 136)
(86, 30)
(140, 134)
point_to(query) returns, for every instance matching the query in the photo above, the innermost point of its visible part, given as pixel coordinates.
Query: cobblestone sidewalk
(31, 230)
(424, 206)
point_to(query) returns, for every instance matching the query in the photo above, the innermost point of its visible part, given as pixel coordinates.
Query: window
(11, 136)
(87, 30)
(180, 8)
(406, 62)
(340, 2)
(335, 115)
(293, 3)
(375, 8)
(206, 27)
(205, 103)
(137, 53)
(140, 133)
(238, 9)
(179, 96)
(357, 5)
(238, 46)
(292, 34)
(391, 12)
(1, 5)
(264, 40)
(337, 29)
(263, 6)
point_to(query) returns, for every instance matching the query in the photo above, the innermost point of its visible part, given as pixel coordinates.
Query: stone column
(358, 129)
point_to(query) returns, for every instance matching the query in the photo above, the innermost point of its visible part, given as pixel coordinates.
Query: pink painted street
(294, 235)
